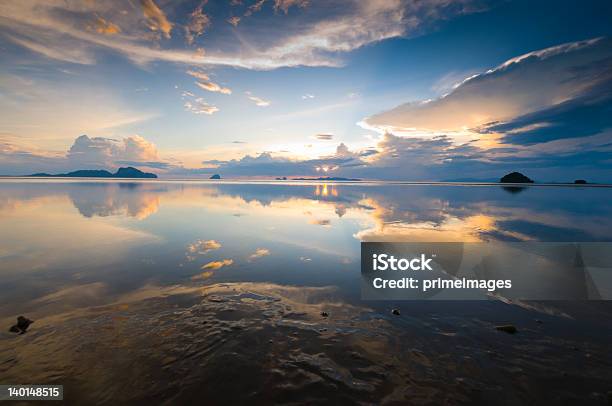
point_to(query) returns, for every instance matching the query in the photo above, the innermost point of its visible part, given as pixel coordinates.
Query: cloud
(234, 20)
(259, 252)
(267, 164)
(532, 82)
(57, 30)
(324, 136)
(85, 153)
(197, 105)
(213, 87)
(105, 152)
(156, 18)
(284, 5)
(203, 275)
(102, 26)
(254, 8)
(73, 54)
(203, 246)
(205, 83)
(437, 158)
(308, 96)
(548, 111)
(321, 222)
(198, 23)
(583, 116)
(342, 151)
(214, 265)
(257, 100)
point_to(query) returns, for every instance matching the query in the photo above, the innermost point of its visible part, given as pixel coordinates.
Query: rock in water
(507, 328)
(395, 312)
(324, 314)
(515, 177)
(215, 176)
(580, 182)
(22, 325)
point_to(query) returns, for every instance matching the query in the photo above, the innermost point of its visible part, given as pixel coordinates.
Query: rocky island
(127, 172)
(515, 177)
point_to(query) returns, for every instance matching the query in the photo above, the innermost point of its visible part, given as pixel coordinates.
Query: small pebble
(507, 328)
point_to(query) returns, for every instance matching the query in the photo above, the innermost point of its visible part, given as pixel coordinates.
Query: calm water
(189, 291)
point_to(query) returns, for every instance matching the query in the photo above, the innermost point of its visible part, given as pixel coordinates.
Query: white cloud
(528, 83)
(257, 100)
(200, 106)
(103, 152)
(197, 105)
(85, 153)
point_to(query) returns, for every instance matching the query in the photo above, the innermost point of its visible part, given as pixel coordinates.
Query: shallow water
(191, 292)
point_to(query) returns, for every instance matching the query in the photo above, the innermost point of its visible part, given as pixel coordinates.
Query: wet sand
(238, 343)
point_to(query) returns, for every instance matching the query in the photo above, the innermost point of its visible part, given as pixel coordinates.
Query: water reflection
(140, 267)
(325, 190)
(105, 199)
(124, 235)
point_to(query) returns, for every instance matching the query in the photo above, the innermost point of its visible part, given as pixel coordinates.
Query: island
(215, 176)
(127, 172)
(515, 177)
(580, 182)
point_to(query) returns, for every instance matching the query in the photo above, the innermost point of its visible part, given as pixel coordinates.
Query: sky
(424, 90)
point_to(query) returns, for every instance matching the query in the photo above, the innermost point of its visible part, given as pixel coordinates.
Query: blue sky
(294, 87)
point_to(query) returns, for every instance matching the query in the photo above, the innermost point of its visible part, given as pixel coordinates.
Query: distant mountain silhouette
(515, 177)
(129, 172)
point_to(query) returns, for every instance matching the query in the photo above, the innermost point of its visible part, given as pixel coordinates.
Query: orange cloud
(214, 265)
(156, 18)
(213, 87)
(205, 83)
(259, 252)
(322, 222)
(203, 275)
(202, 246)
(106, 27)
